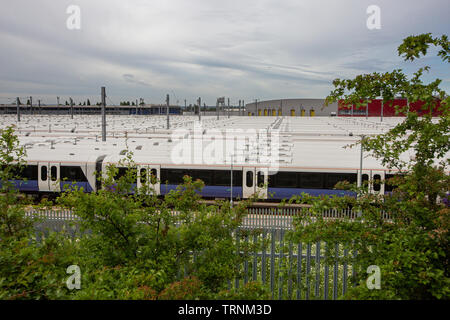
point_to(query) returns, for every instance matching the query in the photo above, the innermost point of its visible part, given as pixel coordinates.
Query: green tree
(150, 240)
(28, 269)
(11, 163)
(411, 248)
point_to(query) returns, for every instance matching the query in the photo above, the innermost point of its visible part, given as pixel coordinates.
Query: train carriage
(307, 162)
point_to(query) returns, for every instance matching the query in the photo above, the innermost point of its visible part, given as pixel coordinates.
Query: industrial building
(316, 107)
(291, 107)
(376, 108)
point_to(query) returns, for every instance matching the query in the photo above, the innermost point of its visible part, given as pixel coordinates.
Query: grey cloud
(244, 49)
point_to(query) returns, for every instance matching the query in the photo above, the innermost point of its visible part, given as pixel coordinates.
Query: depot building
(291, 107)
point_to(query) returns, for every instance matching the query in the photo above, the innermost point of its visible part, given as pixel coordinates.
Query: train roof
(313, 143)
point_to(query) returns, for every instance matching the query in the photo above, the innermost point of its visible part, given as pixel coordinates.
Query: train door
(248, 182)
(142, 176)
(155, 177)
(255, 180)
(43, 176)
(365, 178)
(54, 181)
(374, 179)
(377, 181)
(98, 171)
(261, 182)
(149, 174)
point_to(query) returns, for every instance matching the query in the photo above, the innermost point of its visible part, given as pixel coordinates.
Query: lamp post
(217, 108)
(361, 161)
(361, 167)
(199, 109)
(167, 113)
(231, 180)
(231, 189)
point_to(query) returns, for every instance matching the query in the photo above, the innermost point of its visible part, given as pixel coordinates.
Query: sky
(241, 49)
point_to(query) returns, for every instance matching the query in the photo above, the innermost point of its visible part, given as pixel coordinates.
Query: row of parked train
(52, 177)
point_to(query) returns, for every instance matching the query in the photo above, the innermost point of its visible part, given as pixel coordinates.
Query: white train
(310, 164)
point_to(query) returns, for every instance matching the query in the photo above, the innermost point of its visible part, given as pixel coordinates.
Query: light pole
(199, 109)
(231, 184)
(231, 195)
(361, 168)
(167, 112)
(361, 161)
(103, 95)
(217, 108)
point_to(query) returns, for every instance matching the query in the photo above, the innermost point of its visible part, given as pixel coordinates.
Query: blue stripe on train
(29, 185)
(208, 191)
(33, 185)
(283, 193)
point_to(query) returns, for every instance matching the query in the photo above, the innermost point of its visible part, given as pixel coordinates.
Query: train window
(284, 180)
(271, 180)
(15, 171)
(365, 178)
(313, 180)
(260, 179)
(122, 172)
(143, 175)
(204, 175)
(19, 172)
(30, 172)
(334, 178)
(53, 173)
(72, 173)
(377, 182)
(222, 178)
(164, 175)
(388, 186)
(249, 178)
(237, 178)
(44, 173)
(175, 176)
(153, 176)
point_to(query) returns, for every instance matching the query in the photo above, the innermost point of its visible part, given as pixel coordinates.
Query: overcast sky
(242, 49)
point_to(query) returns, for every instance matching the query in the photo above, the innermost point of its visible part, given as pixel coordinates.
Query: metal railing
(292, 270)
(261, 217)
